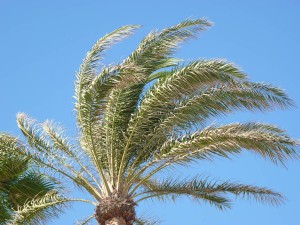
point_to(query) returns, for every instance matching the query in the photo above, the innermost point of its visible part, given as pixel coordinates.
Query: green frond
(11, 167)
(28, 186)
(40, 209)
(165, 97)
(90, 63)
(5, 211)
(23, 183)
(38, 140)
(92, 98)
(87, 83)
(43, 208)
(179, 83)
(60, 142)
(56, 134)
(222, 100)
(9, 145)
(19, 183)
(213, 192)
(47, 156)
(264, 139)
(156, 47)
(84, 79)
(153, 53)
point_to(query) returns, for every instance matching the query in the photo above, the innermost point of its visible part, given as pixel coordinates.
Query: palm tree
(150, 113)
(20, 184)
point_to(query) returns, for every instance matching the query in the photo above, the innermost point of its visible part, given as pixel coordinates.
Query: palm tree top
(152, 112)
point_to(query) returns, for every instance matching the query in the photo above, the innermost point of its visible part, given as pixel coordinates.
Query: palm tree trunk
(116, 221)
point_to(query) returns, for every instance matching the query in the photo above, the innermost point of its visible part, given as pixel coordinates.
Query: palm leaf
(19, 182)
(86, 221)
(46, 155)
(43, 208)
(39, 210)
(153, 53)
(264, 139)
(207, 190)
(167, 93)
(84, 101)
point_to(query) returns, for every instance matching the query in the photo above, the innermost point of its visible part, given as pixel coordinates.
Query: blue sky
(42, 44)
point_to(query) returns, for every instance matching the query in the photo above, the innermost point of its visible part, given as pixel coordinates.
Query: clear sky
(42, 44)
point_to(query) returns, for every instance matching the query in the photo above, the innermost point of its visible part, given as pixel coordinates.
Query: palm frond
(28, 186)
(90, 63)
(9, 145)
(167, 93)
(43, 208)
(19, 182)
(264, 139)
(156, 47)
(46, 155)
(181, 82)
(86, 221)
(215, 101)
(36, 139)
(151, 55)
(39, 210)
(84, 79)
(11, 167)
(207, 190)
(223, 100)
(60, 142)
(5, 211)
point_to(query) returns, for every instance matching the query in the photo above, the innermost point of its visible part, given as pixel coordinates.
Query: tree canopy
(150, 113)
